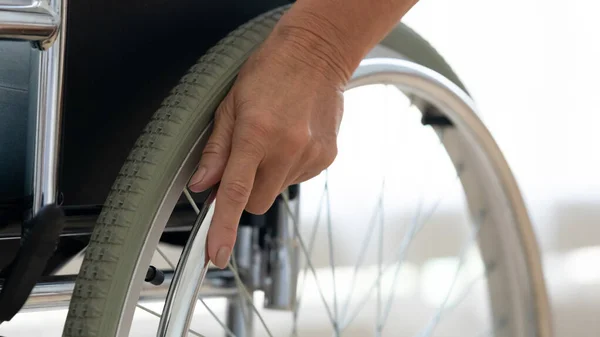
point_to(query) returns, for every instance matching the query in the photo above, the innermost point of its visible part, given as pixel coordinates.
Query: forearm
(341, 32)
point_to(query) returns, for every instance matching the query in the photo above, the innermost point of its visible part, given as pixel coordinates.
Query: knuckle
(329, 154)
(254, 138)
(221, 117)
(257, 127)
(214, 148)
(333, 151)
(298, 140)
(314, 153)
(237, 191)
(224, 112)
(303, 137)
(322, 155)
(332, 155)
(252, 147)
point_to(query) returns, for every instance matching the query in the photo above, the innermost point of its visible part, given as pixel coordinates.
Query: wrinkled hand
(276, 127)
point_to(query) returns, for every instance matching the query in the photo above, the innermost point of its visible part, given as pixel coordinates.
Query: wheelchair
(105, 107)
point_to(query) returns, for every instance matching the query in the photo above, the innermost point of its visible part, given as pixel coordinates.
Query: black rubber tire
(124, 224)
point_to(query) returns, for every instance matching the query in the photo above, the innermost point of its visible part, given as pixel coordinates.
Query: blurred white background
(530, 66)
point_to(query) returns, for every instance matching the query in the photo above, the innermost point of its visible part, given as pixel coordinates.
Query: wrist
(317, 43)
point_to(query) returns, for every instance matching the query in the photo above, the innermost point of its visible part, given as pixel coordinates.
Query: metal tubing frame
(42, 22)
(37, 21)
(283, 258)
(240, 317)
(57, 293)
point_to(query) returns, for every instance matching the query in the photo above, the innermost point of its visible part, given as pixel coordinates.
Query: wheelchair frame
(44, 24)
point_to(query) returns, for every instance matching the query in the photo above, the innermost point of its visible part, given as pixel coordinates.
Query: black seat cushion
(14, 79)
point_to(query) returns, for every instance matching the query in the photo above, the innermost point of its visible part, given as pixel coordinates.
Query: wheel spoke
(378, 326)
(310, 265)
(212, 313)
(313, 236)
(413, 230)
(436, 318)
(154, 313)
(233, 266)
(164, 256)
(401, 251)
(189, 198)
(331, 255)
(488, 271)
(248, 296)
(361, 258)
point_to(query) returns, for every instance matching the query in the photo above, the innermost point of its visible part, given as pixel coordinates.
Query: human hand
(277, 127)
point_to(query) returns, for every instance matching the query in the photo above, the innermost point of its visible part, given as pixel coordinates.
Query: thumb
(217, 149)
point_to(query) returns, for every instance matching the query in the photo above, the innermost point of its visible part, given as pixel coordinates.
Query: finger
(217, 149)
(233, 194)
(270, 178)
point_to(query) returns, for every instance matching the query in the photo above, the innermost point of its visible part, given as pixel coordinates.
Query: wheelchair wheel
(498, 246)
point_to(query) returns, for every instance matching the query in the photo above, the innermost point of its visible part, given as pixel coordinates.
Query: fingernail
(198, 176)
(222, 258)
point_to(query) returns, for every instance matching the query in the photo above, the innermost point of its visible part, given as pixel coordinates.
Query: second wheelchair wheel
(354, 275)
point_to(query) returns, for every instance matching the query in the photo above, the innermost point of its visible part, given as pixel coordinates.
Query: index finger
(232, 196)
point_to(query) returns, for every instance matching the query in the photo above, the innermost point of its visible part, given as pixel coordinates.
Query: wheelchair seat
(14, 102)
